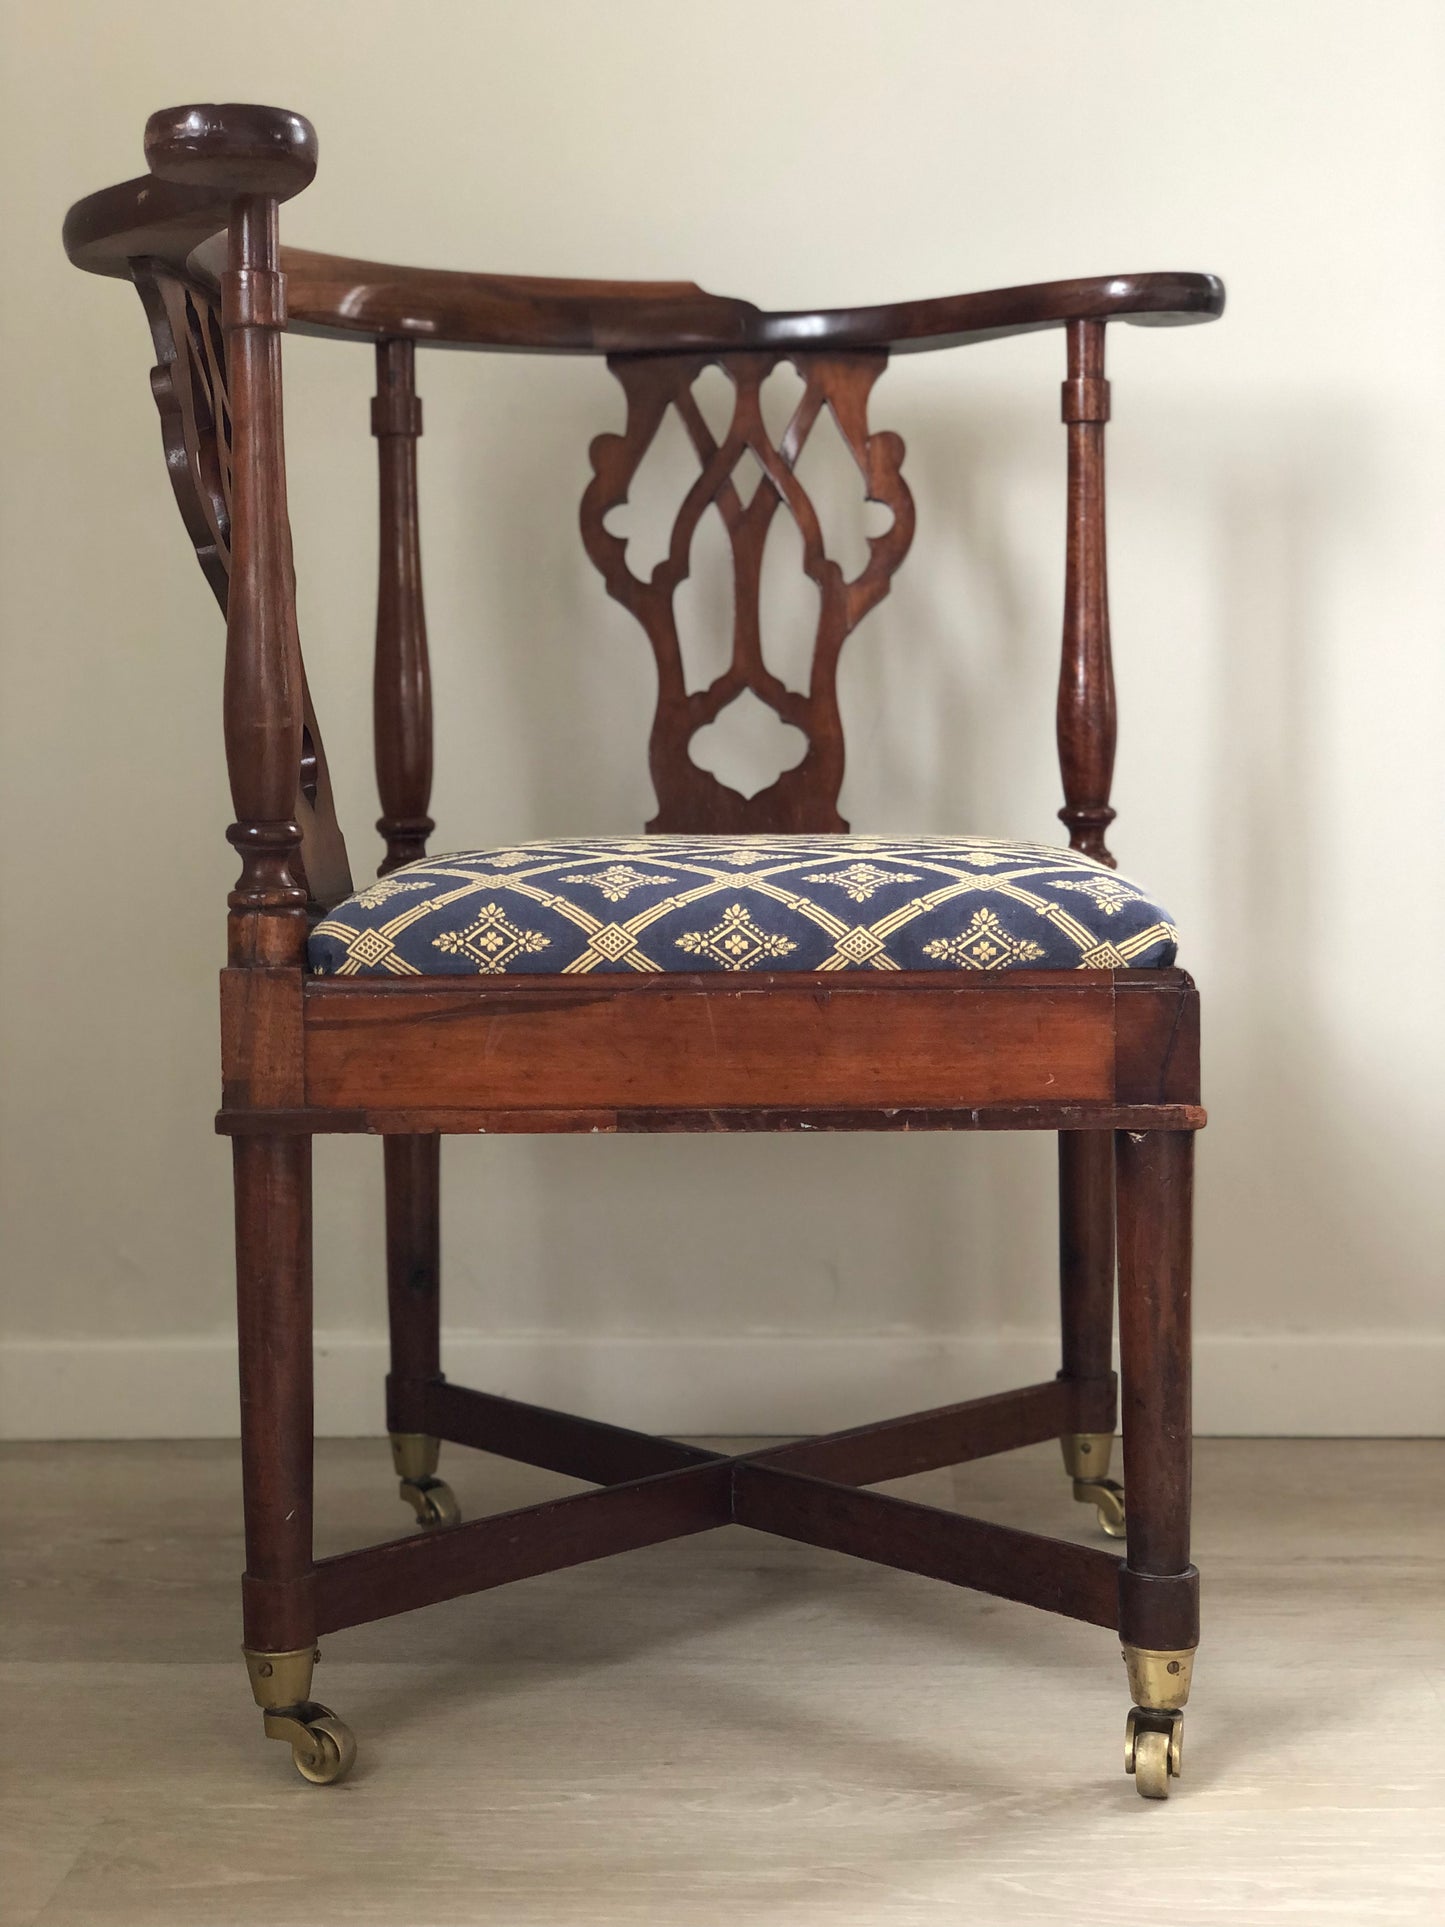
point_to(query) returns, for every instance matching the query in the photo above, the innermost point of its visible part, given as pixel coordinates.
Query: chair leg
(273, 1305)
(1159, 1589)
(413, 1295)
(1086, 1304)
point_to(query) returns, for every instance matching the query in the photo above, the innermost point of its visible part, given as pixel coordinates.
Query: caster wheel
(1107, 1498)
(1110, 1509)
(433, 1501)
(1153, 1752)
(325, 1750)
(1151, 1766)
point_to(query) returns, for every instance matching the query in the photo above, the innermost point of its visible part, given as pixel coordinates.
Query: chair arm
(201, 160)
(1170, 299)
(330, 295)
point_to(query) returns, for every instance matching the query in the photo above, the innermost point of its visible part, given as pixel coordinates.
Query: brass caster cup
(1159, 1681)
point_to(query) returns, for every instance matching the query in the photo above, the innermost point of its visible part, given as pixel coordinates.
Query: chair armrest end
(233, 147)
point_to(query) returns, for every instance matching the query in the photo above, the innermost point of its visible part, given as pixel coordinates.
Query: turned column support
(402, 682)
(255, 158)
(1086, 723)
(263, 683)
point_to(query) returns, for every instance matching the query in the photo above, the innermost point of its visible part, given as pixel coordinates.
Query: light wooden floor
(725, 1731)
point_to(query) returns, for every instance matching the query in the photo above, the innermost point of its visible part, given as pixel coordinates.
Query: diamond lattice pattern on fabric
(674, 903)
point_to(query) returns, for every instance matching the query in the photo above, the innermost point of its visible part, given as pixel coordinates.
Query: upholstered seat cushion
(665, 903)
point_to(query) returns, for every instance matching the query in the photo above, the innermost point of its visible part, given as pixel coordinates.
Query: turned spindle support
(1086, 725)
(402, 682)
(252, 159)
(263, 685)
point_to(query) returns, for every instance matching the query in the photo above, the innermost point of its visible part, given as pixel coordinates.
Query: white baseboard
(1349, 1385)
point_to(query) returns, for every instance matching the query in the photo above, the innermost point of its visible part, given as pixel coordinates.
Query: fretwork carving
(804, 798)
(192, 398)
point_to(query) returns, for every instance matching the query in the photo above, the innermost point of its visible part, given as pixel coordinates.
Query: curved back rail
(198, 237)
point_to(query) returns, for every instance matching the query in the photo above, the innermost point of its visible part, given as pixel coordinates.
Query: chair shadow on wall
(1299, 1228)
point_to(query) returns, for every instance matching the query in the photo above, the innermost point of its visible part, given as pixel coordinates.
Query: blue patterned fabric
(666, 903)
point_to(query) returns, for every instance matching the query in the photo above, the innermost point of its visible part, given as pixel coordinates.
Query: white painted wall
(1277, 500)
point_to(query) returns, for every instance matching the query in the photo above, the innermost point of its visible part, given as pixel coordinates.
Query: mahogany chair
(748, 965)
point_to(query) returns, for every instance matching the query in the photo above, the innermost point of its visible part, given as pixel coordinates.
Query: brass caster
(1154, 1736)
(329, 1752)
(433, 1501)
(415, 1454)
(1108, 1498)
(1086, 1460)
(323, 1748)
(1153, 1751)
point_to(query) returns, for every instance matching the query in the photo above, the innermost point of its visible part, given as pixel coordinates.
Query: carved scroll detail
(192, 396)
(805, 798)
(189, 385)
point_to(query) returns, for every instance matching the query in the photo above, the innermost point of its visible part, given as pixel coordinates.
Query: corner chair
(746, 965)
